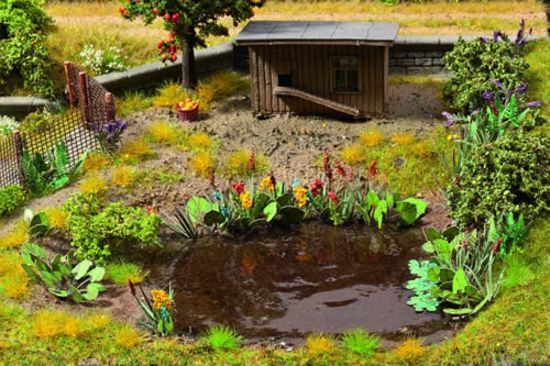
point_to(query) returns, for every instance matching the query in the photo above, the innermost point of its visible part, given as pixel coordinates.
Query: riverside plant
(338, 199)
(157, 309)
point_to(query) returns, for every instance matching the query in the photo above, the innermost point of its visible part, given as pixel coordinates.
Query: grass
(220, 337)
(93, 184)
(121, 273)
(124, 176)
(538, 74)
(131, 102)
(243, 163)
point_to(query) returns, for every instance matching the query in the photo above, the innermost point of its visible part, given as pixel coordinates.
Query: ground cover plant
(491, 268)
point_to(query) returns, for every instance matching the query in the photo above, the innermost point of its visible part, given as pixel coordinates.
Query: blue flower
(224, 211)
(164, 313)
(217, 196)
(296, 182)
(489, 95)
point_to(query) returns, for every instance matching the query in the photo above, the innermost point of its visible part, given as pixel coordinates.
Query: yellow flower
(160, 299)
(449, 137)
(246, 200)
(266, 184)
(300, 195)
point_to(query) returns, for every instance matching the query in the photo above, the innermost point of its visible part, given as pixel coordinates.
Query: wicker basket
(190, 115)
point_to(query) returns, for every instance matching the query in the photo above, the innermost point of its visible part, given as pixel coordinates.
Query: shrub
(96, 230)
(203, 164)
(510, 175)
(102, 61)
(474, 64)
(11, 198)
(7, 125)
(243, 163)
(23, 28)
(121, 273)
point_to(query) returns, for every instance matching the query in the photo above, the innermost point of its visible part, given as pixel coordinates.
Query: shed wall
(310, 67)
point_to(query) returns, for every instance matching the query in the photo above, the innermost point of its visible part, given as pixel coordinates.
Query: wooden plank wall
(310, 67)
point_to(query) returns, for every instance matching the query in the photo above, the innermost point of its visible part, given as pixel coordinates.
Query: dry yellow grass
(56, 217)
(93, 184)
(128, 337)
(136, 150)
(47, 323)
(202, 164)
(164, 132)
(353, 155)
(402, 138)
(14, 283)
(372, 137)
(95, 161)
(317, 345)
(16, 237)
(123, 177)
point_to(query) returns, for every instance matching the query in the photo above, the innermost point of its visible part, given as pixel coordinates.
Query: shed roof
(325, 32)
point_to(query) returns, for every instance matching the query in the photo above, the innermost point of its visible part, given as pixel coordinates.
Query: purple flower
(489, 95)
(483, 40)
(522, 88)
(497, 83)
(449, 119)
(110, 133)
(497, 35)
(535, 104)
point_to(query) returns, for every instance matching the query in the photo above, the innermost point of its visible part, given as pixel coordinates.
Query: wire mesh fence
(90, 107)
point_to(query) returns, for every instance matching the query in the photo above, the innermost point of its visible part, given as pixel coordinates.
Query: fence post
(109, 107)
(83, 98)
(18, 144)
(70, 85)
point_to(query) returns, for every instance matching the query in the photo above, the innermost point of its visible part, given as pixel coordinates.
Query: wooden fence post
(19, 148)
(110, 113)
(83, 98)
(70, 85)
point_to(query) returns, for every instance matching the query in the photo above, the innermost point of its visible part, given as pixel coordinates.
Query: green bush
(510, 175)
(475, 64)
(11, 198)
(23, 28)
(97, 231)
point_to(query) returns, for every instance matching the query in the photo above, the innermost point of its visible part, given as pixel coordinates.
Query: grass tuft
(95, 161)
(360, 342)
(169, 95)
(222, 338)
(56, 217)
(199, 141)
(136, 150)
(128, 337)
(203, 164)
(353, 155)
(410, 350)
(372, 137)
(14, 283)
(164, 132)
(123, 177)
(404, 138)
(132, 102)
(18, 236)
(93, 184)
(121, 273)
(319, 345)
(238, 164)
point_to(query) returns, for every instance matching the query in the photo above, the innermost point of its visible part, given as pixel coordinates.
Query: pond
(282, 285)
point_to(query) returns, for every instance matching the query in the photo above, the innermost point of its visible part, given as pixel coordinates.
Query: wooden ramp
(324, 102)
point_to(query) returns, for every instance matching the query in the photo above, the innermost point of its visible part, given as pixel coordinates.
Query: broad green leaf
(410, 209)
(291, 215)
(270, 211)
(214, 218)
(96, 274)
(459, 281)
(428, 247)
(92, 291)
(462, 311)
(197, 206)
(81, 269)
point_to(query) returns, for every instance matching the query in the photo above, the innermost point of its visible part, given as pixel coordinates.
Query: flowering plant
(110, 134)
(157, 309)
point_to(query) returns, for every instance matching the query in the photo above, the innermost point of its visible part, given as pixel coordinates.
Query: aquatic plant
(360, 342)
(181, 223)
(157, 309)
(221, 338)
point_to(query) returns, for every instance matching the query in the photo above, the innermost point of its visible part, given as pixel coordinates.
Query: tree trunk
(188, 72)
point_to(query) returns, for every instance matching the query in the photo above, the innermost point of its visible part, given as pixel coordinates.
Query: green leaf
(58, 293)
(260, 201)
(270, 211)
(214, 218)
(291, 215)
(428, 247)
(92, 291)
(81, 269)
(410, 209)
(96, 274)
(461, 311)
(197, 206)
(459, 281)
(372, 199)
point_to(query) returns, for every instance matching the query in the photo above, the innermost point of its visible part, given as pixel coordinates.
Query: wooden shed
(319, 67)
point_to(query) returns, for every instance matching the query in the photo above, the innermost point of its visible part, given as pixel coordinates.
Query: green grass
(123, 272)
(220, 337)
(538, 75)
(131, 102)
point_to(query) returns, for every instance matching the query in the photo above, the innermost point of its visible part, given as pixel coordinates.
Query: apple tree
(189, 23)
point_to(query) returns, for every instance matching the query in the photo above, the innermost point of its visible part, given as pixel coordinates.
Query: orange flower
(246, 200)
(160, 299)
(267, 184)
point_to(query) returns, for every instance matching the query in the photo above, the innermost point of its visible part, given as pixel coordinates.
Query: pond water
(282, 285)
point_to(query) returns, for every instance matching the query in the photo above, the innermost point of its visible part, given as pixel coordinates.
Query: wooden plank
(324, 102)
(274, 71)
(386, 77)
(304, 68)
(254, 92)
(379, 80)
(267, 78)
(261, 79)
(372, 84)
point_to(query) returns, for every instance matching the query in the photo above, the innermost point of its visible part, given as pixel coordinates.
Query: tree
(189, 22)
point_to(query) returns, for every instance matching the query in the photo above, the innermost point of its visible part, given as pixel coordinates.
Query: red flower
(238, 187)
(151, 210)
(252, 162)
(326, 166)
(350, 174)
(332, 197)
(340, 169)
(373, 168)
(316, 185)
(167, 17)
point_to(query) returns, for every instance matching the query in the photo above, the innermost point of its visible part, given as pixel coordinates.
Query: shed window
(345, 74)
(285, 80)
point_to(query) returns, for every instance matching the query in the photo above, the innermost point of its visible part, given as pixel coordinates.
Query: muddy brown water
(282, 285)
